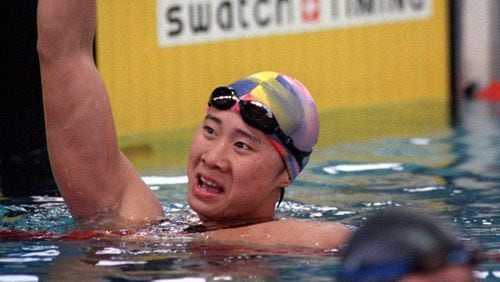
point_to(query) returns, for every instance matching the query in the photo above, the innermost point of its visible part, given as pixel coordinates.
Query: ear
(283, 179)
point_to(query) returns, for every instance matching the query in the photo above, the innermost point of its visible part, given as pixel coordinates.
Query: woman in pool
(240, 160)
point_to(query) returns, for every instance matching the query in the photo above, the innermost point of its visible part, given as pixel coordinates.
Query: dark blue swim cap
(397, 242)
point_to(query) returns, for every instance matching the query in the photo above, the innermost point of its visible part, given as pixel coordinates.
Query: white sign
(184, 22)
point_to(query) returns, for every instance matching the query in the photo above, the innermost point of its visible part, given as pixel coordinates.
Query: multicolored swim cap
(293, 107)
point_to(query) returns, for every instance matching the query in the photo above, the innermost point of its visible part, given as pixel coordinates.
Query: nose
(216, 156)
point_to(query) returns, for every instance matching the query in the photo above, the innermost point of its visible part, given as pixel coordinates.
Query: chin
(200, 208)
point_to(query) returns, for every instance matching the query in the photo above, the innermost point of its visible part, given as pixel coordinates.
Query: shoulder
(293, 233)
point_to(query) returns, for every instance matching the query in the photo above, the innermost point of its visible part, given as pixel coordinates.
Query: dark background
(24, 165)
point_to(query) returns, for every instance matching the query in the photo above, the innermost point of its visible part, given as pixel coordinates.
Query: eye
(242, 145)
(209, 131)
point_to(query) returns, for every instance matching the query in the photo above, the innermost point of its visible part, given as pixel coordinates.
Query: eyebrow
(248, 135)
(239, 131)
(213, 118)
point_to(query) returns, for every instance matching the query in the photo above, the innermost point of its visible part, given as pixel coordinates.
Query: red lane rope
(30, 235)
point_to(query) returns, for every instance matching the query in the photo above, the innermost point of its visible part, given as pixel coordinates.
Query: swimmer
(257, 135)
(406, 245)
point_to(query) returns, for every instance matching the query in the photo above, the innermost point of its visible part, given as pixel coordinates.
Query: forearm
(70, 80)
(65, 27)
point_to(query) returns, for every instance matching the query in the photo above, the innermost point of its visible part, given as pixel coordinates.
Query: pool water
(454, 173)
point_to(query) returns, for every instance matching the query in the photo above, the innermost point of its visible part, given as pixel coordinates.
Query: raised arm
(95, 178)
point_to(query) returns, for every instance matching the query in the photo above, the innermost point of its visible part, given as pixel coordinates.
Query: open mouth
(209, 186)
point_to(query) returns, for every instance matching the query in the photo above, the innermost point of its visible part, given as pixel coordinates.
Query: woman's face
(235, 174)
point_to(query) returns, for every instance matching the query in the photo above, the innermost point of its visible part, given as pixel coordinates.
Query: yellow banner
(161, 59)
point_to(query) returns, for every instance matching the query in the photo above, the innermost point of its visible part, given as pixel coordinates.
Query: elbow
(48, 45)
(42, 49)
(50, 49)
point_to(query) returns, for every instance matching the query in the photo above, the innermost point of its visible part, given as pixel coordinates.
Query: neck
(209, 224)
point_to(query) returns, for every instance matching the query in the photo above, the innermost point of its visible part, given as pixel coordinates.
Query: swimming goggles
(257, 115)
(392, 271)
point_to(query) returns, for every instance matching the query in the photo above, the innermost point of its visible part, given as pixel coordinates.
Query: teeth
(208, 183)
(208, 186)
